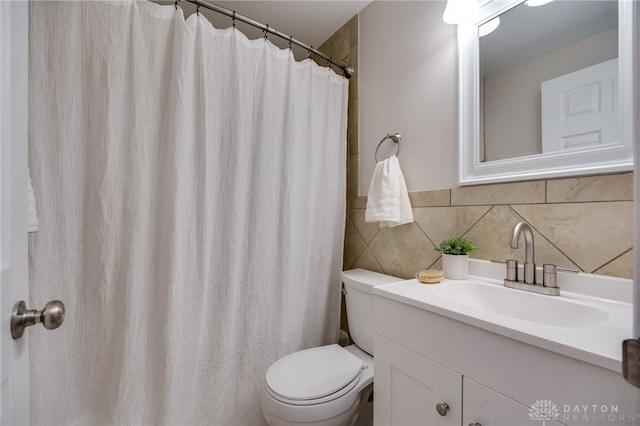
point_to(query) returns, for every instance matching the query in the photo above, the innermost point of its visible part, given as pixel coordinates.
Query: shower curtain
(191, 193)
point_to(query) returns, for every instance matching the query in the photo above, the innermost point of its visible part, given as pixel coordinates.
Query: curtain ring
(198, 10)
(266, 31)
(175, 3)
(234, 19)
(310, 52)
(290, 39)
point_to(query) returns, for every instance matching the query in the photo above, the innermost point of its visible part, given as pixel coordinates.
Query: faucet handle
(549, 274)
(512, 270)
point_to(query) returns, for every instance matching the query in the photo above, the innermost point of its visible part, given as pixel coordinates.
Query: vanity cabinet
(410, 389)
(425, 358)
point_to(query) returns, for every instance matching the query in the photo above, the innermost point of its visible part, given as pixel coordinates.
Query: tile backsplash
(584, 223)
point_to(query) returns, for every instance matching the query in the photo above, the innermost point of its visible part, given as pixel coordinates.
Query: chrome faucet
(549, 285)
(529, 264)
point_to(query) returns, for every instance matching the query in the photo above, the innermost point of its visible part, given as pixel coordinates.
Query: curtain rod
(347, 70)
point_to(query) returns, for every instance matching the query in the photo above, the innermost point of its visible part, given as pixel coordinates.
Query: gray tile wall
(343, 45)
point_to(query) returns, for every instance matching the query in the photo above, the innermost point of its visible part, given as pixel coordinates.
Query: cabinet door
(486, 407)
(408, 387)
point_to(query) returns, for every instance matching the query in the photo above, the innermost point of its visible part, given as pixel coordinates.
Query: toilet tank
(358, 284)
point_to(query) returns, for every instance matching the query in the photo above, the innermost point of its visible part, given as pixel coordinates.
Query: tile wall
(583, 223)
(343, 45)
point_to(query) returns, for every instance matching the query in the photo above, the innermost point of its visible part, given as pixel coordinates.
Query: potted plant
(455, 257)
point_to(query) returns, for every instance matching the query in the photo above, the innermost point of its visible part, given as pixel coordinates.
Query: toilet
(329, 385)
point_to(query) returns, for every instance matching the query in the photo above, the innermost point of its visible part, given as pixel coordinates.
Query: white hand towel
(32, 211)
(388, 199)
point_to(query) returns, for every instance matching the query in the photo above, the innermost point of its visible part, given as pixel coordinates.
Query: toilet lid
(313, 373)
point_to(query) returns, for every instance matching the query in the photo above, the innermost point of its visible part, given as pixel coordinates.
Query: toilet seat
(314, 376)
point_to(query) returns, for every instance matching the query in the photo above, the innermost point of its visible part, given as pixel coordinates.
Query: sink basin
(551, 310)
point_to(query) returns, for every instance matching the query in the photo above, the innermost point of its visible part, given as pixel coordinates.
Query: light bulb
(535, 3)
(488, 27)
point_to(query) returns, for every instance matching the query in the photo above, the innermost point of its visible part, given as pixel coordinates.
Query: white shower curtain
(191, 193)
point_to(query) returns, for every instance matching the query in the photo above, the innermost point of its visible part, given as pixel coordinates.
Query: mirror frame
(610, 158)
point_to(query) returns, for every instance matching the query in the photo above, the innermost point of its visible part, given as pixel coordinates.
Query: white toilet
(329, 385)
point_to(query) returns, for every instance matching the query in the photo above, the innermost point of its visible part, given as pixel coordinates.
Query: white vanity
(474, 352)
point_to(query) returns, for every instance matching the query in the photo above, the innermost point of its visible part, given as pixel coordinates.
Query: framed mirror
(545, 90)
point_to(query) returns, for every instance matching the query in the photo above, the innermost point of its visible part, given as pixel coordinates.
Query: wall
(408, 84)
(583, 223)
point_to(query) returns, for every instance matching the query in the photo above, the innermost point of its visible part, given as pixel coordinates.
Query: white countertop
(598, 341)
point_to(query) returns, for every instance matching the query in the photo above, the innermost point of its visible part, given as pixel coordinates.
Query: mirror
(540, 90)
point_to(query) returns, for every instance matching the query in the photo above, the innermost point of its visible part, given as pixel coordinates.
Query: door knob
(442, 408)
(51, 317)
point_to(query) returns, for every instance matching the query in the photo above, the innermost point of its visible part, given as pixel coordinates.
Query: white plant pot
(455, 266)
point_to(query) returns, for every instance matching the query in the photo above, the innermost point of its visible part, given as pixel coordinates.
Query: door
(580, 109)
(14, 283)
(410, 389)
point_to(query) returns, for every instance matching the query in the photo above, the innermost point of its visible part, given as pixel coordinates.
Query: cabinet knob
(442, 408)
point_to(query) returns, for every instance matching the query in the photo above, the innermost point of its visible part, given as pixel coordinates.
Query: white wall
(408, 84)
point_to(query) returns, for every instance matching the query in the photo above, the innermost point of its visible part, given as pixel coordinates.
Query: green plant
(457, 245)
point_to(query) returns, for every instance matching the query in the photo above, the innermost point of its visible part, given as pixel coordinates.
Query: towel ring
(395, 137)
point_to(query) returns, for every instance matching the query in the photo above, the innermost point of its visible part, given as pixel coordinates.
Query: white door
(14, 284)
(410, 389)
(580, 109)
